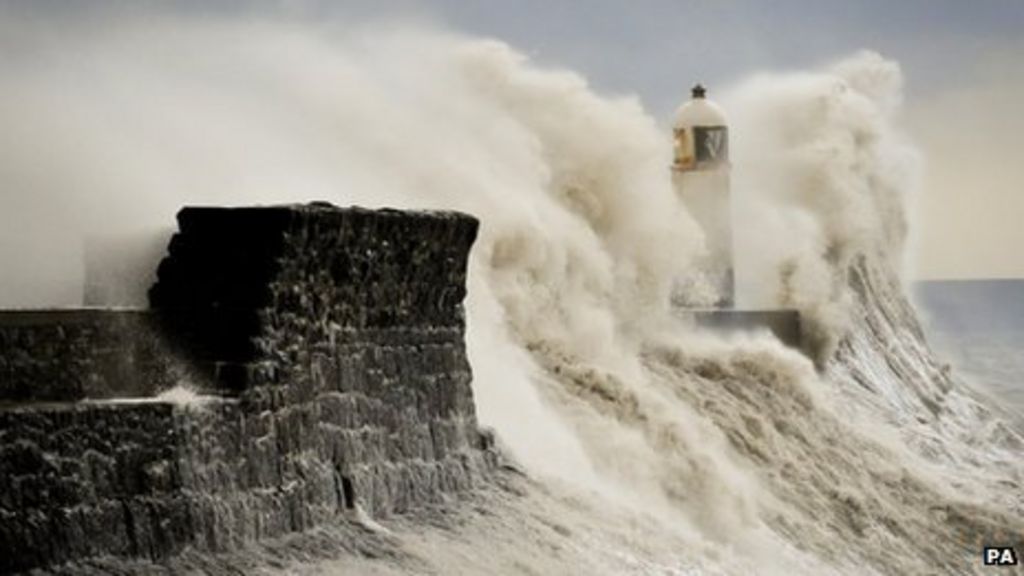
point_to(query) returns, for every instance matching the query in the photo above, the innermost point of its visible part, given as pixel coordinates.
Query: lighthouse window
(683, 149)
(711, 144)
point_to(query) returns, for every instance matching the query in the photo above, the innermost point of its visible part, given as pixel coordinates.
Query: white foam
(737, 446)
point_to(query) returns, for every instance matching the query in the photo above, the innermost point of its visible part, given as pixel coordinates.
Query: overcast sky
(962, 62)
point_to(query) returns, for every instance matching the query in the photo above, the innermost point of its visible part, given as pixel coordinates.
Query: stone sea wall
(85, 479)
(331, 343)
(67, 355)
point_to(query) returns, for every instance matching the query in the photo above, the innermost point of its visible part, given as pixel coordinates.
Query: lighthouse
(700, 173)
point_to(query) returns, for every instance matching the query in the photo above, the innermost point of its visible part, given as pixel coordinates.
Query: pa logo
(1000, 556)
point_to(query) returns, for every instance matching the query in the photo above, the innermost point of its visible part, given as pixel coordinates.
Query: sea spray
(746, 453)
(823, 173)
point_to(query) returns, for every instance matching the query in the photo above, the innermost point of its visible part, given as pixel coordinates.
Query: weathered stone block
(336, 337)
(60, 355)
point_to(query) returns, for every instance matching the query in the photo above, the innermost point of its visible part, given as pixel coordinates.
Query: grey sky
(960, 60)
(955, 54)
(656, 47)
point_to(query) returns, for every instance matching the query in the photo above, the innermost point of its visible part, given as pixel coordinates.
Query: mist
(139, 118)
(578, 360)
(973, 202)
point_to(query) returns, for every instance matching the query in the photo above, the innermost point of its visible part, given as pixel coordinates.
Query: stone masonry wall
(345, 339)
(334, 340)
(54, 355)
(83, 479)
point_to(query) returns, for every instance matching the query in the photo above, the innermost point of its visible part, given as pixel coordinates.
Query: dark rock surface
(83, 479)
(334, 339)
(63, 355)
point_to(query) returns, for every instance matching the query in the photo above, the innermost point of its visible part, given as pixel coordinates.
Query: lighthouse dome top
(699, 111)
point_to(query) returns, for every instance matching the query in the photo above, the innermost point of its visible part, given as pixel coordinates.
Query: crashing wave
(637, 432)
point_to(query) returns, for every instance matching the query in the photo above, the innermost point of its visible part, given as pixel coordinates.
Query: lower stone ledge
(147, 478)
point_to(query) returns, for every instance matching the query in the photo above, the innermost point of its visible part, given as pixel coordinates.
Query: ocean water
(979, 326)
(636, 444)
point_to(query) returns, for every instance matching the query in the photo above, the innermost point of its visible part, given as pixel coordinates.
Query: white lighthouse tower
(700, 172)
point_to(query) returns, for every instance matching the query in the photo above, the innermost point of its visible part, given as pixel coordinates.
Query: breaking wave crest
(870, 457)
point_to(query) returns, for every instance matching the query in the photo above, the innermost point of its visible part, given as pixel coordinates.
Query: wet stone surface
(66, 355)
(334, 341)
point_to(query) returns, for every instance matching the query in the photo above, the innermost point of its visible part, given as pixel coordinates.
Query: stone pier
(327, 347)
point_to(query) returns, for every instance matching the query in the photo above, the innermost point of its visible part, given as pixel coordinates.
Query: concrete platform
(784, 324)
(73, 354)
